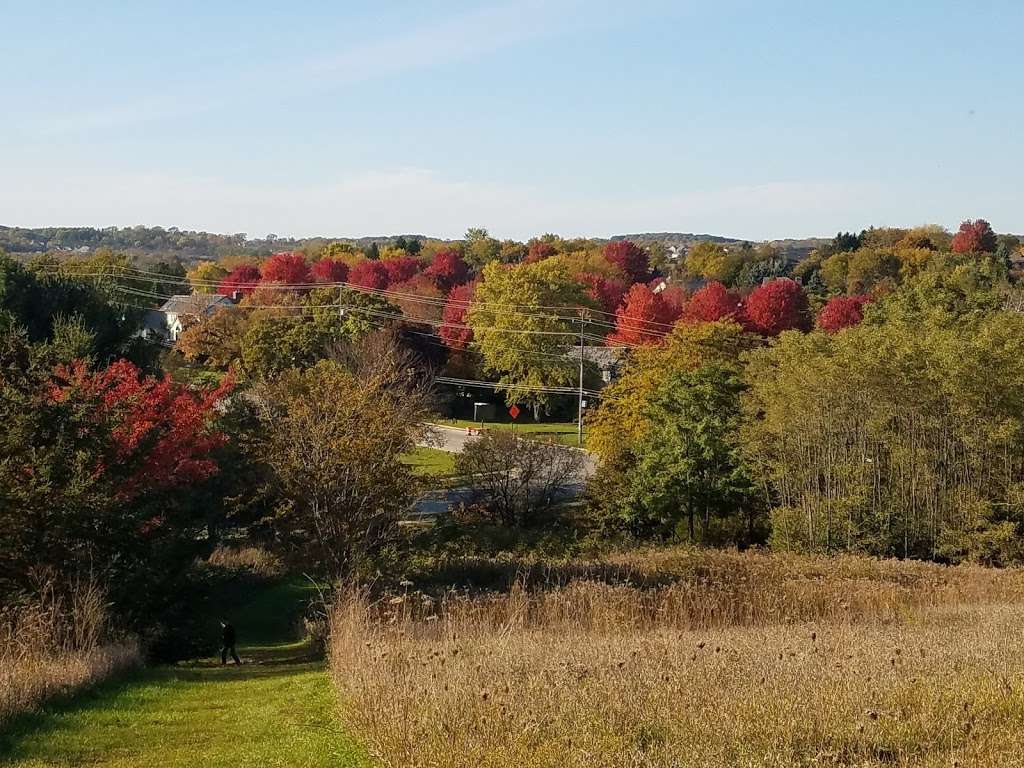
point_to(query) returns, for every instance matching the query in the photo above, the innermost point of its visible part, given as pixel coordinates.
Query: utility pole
(579, 416)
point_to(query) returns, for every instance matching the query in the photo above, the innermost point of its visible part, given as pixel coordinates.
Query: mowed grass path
(277, 709)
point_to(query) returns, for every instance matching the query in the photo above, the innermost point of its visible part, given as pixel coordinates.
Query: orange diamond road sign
(514, 411)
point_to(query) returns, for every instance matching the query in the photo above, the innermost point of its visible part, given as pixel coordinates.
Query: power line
(392, 316)
(513, 387)
(635, 324)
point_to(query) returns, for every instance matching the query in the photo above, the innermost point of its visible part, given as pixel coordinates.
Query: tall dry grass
(756, 661)
(56, 644)
(248, 559)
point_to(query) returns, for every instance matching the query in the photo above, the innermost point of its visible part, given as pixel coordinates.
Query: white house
(171, 319)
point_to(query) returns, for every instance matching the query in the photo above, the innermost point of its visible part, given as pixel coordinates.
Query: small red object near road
(514, 411)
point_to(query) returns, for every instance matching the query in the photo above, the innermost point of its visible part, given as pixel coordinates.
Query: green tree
(898, 438)
(273, 344)
(624, 416)
(686, 470)
(215, 340)
(39, 301)
(871, 267)
(481, 248)
(277, 339)
(713, 261)
(332, 438)
(835, 270)
(527, 348)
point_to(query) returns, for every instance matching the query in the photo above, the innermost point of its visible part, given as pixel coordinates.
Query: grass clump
(250, 560)
(56, 644)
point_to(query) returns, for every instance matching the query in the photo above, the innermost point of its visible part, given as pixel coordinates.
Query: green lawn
(430, 462)
(275, 710)
(560, 432)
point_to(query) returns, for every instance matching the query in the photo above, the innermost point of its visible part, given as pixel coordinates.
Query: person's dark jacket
(228, 635)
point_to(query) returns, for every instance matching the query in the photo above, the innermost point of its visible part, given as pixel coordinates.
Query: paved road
(453, 440)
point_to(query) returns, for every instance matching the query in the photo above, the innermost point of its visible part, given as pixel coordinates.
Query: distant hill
(190, 246)
(793, 249)
(682, 239)
(184, 244)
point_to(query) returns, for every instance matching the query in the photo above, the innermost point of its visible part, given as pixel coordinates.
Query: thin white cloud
(417, 200)
(475, 33)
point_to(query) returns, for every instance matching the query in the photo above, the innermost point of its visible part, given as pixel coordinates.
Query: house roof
(604, 358)
(155, 321)
(194, 303)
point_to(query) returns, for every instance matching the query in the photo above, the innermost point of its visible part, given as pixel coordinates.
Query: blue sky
(582, 117)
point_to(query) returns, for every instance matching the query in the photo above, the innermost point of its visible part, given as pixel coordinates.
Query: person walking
(227, 636)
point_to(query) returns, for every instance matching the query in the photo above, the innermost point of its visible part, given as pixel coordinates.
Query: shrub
(516, 480)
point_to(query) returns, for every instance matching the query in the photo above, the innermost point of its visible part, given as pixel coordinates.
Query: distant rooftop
(194, 303)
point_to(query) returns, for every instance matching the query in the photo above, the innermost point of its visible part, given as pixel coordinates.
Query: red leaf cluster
(447, 269)
(974, 237)
(286, 268)
(539, 251)
(675, 298)
(630, 258)
(842, 312)
(162, 432)
(711, 303)
(452, 331)
(401, 268)
(644, 318)
(606, 291)
(244, 279)
(776, 306)
(329, 271)
(369, 274)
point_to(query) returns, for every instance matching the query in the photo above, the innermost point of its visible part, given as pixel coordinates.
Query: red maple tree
(243, 279)
(539, 251)
(401, 268)
(644, 318)
(776, 306)
(447, 269)
(453, 331)
(163, 434)
(974, 237)
(329, 271)
(711, 303)
(606, 291)
(630, 258)
(287, 268)
(420, 299)
(369, 274)
(842, 312)
(675, 299)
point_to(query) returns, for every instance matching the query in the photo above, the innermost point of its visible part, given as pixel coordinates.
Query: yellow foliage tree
(205, 276)
(621, 421)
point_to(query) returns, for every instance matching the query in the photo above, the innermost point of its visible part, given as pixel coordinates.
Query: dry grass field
(56, 646)
(722, 660)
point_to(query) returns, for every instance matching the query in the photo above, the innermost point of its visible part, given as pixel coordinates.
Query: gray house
(167, 323)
